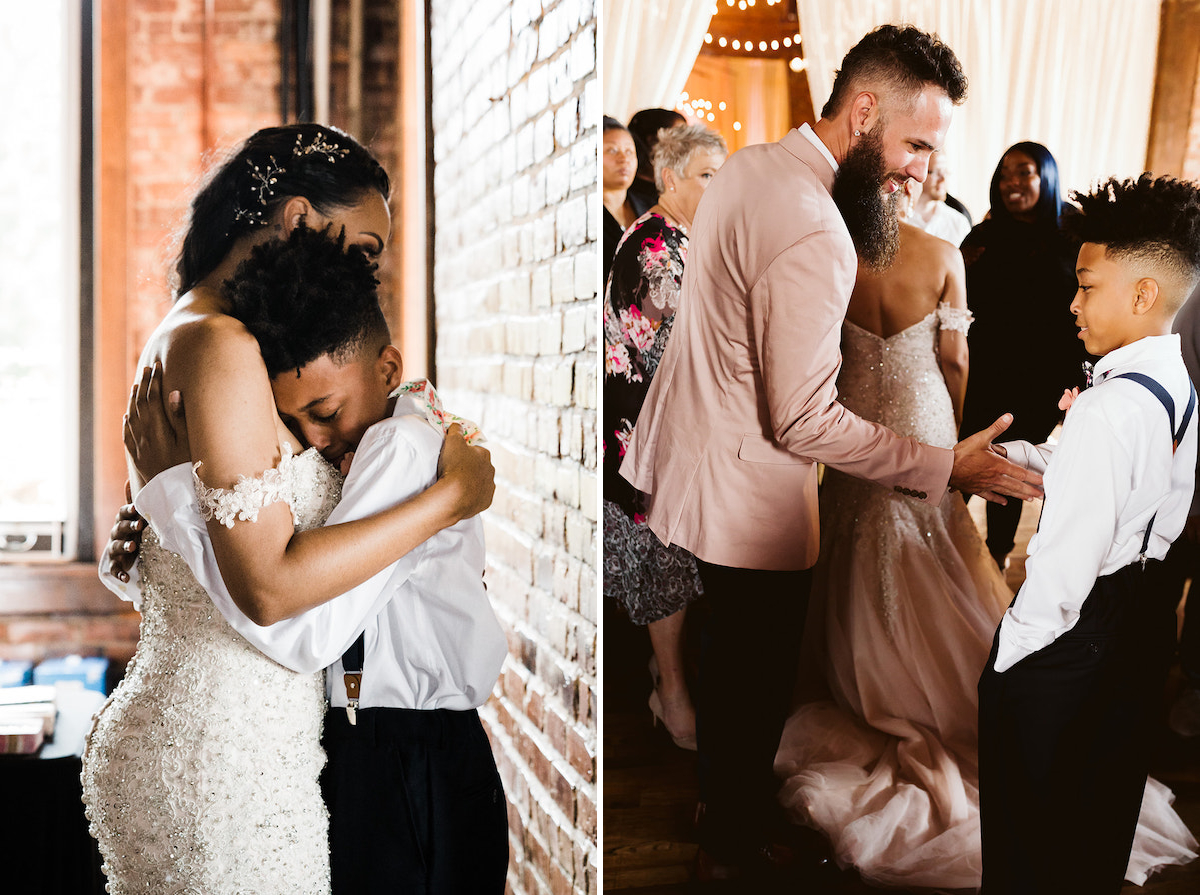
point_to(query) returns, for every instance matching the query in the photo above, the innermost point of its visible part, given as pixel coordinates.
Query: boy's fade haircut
(1155, 221)
(308, 296)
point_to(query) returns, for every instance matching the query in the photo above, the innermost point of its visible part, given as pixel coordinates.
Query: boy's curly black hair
(1148, 219)
(307, 296)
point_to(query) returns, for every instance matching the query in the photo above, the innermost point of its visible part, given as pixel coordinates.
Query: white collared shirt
(811, 135)
(946, 223)
(1112, 471)
(431, 637)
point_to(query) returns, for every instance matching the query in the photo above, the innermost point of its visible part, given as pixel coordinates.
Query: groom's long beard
(869, 215)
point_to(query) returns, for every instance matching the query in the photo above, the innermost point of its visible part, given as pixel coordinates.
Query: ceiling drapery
(1074, 75)
(650, 47)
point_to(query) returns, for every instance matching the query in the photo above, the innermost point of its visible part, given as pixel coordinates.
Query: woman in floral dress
(651, 581)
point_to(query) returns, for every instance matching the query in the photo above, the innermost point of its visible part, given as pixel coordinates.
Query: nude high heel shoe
(656, 708)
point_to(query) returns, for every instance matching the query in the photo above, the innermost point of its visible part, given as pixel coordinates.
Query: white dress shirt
(431, 638)
(1112, 470)
(811, 136)
(946, 223)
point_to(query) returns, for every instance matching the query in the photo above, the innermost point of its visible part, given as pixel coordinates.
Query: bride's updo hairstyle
(324, 165)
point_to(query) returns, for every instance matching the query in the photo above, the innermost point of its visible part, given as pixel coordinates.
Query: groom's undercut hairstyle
(901, 59)
(308, 296)
(1151, 223)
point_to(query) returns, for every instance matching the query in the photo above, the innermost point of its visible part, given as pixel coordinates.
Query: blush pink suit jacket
(744, 405)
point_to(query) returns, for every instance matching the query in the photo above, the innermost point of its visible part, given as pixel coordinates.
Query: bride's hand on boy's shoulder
(470, 468)
(155, 427)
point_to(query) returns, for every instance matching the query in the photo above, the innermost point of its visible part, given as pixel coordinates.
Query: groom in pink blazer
(744, 404)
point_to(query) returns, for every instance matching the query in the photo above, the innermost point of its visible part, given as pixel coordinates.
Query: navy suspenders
(1164, 398)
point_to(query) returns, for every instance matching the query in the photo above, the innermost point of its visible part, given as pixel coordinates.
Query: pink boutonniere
(1068, 398)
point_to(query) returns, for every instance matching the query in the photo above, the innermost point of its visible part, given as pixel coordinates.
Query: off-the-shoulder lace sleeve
(957, 319)
(247, 497)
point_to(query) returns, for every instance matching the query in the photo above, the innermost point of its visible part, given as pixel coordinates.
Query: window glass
(39, 281)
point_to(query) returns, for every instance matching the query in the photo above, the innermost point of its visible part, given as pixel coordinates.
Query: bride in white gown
(905, 603)
(200, 775)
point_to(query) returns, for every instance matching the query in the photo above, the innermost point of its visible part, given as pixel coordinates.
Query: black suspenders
(1165, 399)
(352, 665)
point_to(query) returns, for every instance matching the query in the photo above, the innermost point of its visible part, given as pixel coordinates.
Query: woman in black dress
(651, 581)
(1024, 344)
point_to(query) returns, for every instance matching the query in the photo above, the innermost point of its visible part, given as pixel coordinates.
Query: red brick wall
(197, 85)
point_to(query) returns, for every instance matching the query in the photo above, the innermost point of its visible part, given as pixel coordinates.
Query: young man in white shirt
(415, 800)
(1079, 662)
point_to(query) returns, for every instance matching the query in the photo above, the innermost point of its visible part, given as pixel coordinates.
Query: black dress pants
(1002, 523)
(415, 802)
(1064, 746)
(749, 653)
(1166, 583)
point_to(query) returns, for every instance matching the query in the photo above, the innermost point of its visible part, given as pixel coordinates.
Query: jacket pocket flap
(757, 449)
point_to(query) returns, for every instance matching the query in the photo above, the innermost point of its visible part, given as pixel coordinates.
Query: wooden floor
(650, 785)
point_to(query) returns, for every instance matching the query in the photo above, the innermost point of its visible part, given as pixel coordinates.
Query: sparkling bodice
(200, 774)
(897, 381)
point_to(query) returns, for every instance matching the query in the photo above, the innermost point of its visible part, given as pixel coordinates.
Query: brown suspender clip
(353, 683)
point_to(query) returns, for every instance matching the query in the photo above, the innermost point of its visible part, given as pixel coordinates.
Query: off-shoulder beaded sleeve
(957, 319)
(251, 493)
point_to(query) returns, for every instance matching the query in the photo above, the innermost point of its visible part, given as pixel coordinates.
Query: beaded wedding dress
(905, 602)
(200, 773)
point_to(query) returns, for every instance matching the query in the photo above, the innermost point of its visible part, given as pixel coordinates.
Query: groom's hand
(980, 468)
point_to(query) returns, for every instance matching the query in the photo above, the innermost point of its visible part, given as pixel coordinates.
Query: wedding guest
(652, 581)
(932, 214)
(644, 126)
(1078, 667)
(618, 166)
(1020, 278)
(744, 406)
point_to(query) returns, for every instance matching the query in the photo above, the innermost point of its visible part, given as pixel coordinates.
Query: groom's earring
(857, 134)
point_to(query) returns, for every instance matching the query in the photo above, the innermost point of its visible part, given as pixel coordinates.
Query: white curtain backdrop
(649, 49)
(1074, 75)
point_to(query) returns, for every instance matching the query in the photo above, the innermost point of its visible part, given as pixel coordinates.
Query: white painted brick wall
(516, 104)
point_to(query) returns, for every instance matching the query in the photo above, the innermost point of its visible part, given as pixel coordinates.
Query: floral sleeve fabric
(640, 300)
(957, 319)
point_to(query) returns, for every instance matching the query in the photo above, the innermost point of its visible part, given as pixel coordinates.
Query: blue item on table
(90, 672)
(16, 674)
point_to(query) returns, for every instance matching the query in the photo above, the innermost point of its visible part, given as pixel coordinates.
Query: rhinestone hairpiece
(318, 145)
(264, 181)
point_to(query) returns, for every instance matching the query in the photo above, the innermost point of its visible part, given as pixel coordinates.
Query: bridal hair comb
(264, 180)
(319, 145)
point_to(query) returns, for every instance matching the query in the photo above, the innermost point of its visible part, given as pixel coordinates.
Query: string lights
(773, 46)
(745, 4)
(702, 109)
(754, 36)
